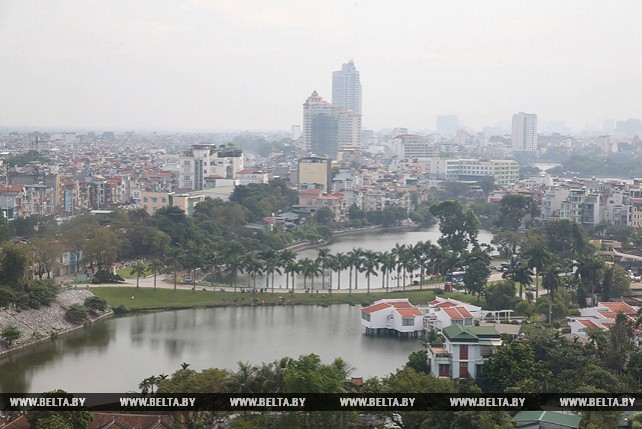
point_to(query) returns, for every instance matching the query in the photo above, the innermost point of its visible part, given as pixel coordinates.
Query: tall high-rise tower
(524, 136)
(346, 88)
(328, 129)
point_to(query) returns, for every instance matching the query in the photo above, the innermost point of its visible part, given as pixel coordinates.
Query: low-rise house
(464, 351)
(602, 318)
(393, 317)
(442, 313)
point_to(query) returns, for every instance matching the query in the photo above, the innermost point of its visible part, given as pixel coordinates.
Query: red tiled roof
(409, 312)
(457, 313)
(608, 314)
(619, 306)
(19, 423)
(588, 324)
(375, 308)
(400, 304)
(446, 304)
(13, 188)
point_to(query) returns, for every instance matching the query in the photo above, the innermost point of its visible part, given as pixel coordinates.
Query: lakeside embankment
(45, 323)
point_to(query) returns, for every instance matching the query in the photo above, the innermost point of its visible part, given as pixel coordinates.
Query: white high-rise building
(524, 136)
(346, 88)
(205, 161)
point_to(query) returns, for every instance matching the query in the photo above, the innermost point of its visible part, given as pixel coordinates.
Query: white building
(464, 351)
(413, 146)
(246, 177)
(393, 316)
(205, 160)
(524, 132)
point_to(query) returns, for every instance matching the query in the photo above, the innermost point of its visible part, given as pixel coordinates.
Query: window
(186, 162)
(365, 316)
(444, 370)
(463, 352)
(463, 370)
(408, 321)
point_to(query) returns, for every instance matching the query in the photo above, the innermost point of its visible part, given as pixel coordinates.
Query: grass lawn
(126, 273)
(148, 298)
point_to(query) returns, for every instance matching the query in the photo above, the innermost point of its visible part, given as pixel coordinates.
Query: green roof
(525, 419)
(470, 333)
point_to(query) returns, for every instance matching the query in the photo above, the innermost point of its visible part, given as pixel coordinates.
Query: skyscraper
(328, 129)
(524, 136)
(346, 88)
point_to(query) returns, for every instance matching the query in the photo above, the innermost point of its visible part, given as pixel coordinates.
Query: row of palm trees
(401, 264)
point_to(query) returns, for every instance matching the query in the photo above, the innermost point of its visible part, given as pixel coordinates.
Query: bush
(95, 304)
(10, 334)
(41, 292)
(104, 276)
(438, 291)
(77, 314)
(121, 309)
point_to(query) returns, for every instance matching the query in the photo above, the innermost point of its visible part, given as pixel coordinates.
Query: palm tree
(537, 257)
(234, 264)
(387, 262)
(341, 265)
(370, 267)
(399, 253)
(306, 267)
(323, 257)
(286, 258)
(138, 270)
(551, 281)
(332, 264)
(271, 259)
(291, 268)
(213, 263)
(254, 267)
(353, 260)
(155, 266)
(518, 272)
(589, 269)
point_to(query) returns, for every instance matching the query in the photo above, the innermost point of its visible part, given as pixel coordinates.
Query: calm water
(115, 355)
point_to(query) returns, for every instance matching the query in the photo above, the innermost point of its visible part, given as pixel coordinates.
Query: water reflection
(115, 354)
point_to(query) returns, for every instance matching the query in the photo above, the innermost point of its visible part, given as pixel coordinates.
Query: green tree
(459, 228)
(513, 208)
(308, 374)
(518, 272)
(501, 296)
(10, 334)
(551, 281)
(538, 258)
(513, 363)
(64, 419)
(155, 266)
(138, 270)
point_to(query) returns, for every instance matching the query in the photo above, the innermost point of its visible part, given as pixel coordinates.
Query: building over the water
(393, 317)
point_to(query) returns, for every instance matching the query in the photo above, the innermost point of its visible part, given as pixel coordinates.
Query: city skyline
(206, 65)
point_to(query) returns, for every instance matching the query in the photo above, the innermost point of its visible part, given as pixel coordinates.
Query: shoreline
(46, 323)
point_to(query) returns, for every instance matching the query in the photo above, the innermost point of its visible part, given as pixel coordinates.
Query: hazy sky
(235, 64)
